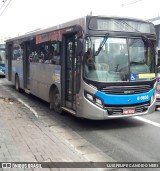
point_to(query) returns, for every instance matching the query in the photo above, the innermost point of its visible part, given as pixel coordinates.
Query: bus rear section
(2, 60)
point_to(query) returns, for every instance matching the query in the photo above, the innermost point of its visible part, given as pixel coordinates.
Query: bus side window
(55, 46)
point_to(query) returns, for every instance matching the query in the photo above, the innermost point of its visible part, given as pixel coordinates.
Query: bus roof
(80, 21)
(124, 17)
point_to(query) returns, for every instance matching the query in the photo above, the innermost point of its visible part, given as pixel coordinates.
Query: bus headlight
(89, 96)
(94, 99)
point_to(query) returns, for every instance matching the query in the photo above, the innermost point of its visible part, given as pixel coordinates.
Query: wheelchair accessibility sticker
(132, 77)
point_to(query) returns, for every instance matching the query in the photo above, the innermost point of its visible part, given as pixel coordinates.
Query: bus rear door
(9, 56)
(26, 66)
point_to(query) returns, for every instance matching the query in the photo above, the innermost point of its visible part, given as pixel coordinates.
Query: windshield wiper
(150, 44)
(102, 44)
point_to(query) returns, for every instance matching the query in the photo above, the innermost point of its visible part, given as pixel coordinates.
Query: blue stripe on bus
(125, 99)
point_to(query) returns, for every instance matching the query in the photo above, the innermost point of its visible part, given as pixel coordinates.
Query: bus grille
(118, 110)
(121, 90)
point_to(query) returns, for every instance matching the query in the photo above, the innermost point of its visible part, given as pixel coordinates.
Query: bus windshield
(118, 59)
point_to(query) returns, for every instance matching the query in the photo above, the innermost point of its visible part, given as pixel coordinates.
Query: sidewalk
(22, 140)
(26, 138)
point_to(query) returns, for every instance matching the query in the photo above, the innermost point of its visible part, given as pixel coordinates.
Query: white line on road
(31, 109)
(147, 121)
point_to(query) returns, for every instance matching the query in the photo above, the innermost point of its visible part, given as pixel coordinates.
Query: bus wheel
(57, 101)
(17, 85)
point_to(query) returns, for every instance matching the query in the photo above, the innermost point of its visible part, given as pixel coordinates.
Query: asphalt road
(135, 139)
(124, 140)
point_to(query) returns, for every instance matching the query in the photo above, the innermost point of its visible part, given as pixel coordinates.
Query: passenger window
(46, 52)
(55, 52)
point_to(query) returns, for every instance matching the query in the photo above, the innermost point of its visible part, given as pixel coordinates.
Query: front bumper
(92, 111)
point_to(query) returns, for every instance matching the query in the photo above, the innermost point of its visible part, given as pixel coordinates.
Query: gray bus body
(51, 64)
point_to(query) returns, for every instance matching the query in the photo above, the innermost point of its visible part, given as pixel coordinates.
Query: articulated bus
(94, 67)
(2, 59)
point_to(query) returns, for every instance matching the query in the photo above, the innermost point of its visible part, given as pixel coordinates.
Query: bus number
(143, 97)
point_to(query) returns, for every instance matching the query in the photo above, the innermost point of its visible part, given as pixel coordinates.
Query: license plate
(127, 111)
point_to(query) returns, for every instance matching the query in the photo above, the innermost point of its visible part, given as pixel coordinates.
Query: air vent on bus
(126, 89)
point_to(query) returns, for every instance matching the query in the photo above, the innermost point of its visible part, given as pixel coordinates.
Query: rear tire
(56, 101)
(17, 84)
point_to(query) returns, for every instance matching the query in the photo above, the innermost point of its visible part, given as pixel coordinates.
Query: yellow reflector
(151, 75)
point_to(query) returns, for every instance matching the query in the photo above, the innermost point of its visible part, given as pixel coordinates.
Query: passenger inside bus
(90, 60)
(31, 57)
(36, 57)
(41, 57)
(90, 63)
(45, 53)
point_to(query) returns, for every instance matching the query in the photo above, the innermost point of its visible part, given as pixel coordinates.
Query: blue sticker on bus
(132, 77)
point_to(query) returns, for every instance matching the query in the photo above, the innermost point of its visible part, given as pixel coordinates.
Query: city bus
(94, 67)
(2, 59)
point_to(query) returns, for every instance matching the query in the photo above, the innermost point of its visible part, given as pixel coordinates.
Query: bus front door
(69, 72)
